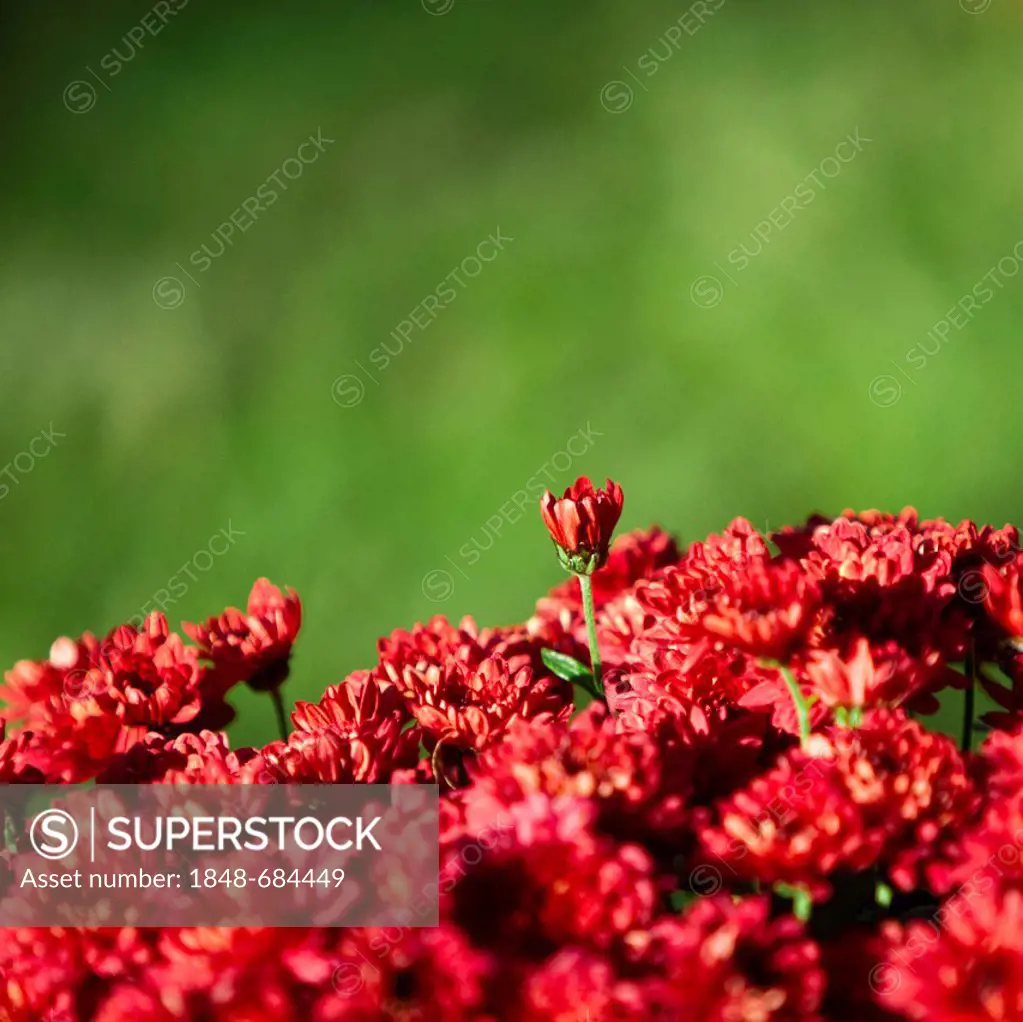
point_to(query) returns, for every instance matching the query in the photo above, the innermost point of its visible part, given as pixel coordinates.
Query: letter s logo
(59, 834)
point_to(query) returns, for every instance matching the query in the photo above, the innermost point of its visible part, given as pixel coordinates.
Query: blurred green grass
(179, 421)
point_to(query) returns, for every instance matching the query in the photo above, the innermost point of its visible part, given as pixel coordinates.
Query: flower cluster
(702, 782)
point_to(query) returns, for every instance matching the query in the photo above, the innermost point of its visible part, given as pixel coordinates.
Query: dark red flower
(62, 974)
(322, 757)
(359, 704)
(151, 677)
(573, 984)
(254, 646)
(581, 523)
(640, 782)
(546, 876)
(894, 583)
(987, 849)
(726, 961)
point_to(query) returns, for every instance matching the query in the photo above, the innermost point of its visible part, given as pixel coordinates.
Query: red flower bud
(582, 522)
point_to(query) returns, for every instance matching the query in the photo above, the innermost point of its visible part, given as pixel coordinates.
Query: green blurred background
(221, 411)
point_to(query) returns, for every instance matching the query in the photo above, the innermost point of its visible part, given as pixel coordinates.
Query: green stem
(802, 905)
(802, 708)
(282, 717)
(970, 670)
(586, 588)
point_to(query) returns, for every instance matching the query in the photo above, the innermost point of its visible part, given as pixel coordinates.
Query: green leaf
(681, 900)
(564, 666)
(582, 698)
(802, 903)
(569, 669)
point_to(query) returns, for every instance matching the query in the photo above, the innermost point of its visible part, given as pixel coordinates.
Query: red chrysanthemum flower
(65, 975)
(863, 677)
(766, 611)
(678, 596)
(16, 759)
(886, 580)
(152, 678)
(357, 733)
(639, 782)
(147, 674)
(963, 964)
(323, 757)
(573, 984)
(1003, 595)
(581, 523)
(254, 646)
(31, 687)
(359, 704)
(101, 697)
(888, 793)
(439, 643)
(705, 683)
(565, 844)
(726, 961)
(203, 758)
(552, 879)
(468, 707)
(988, 849)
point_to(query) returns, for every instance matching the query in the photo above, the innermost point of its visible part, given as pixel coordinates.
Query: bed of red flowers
(750, 820)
